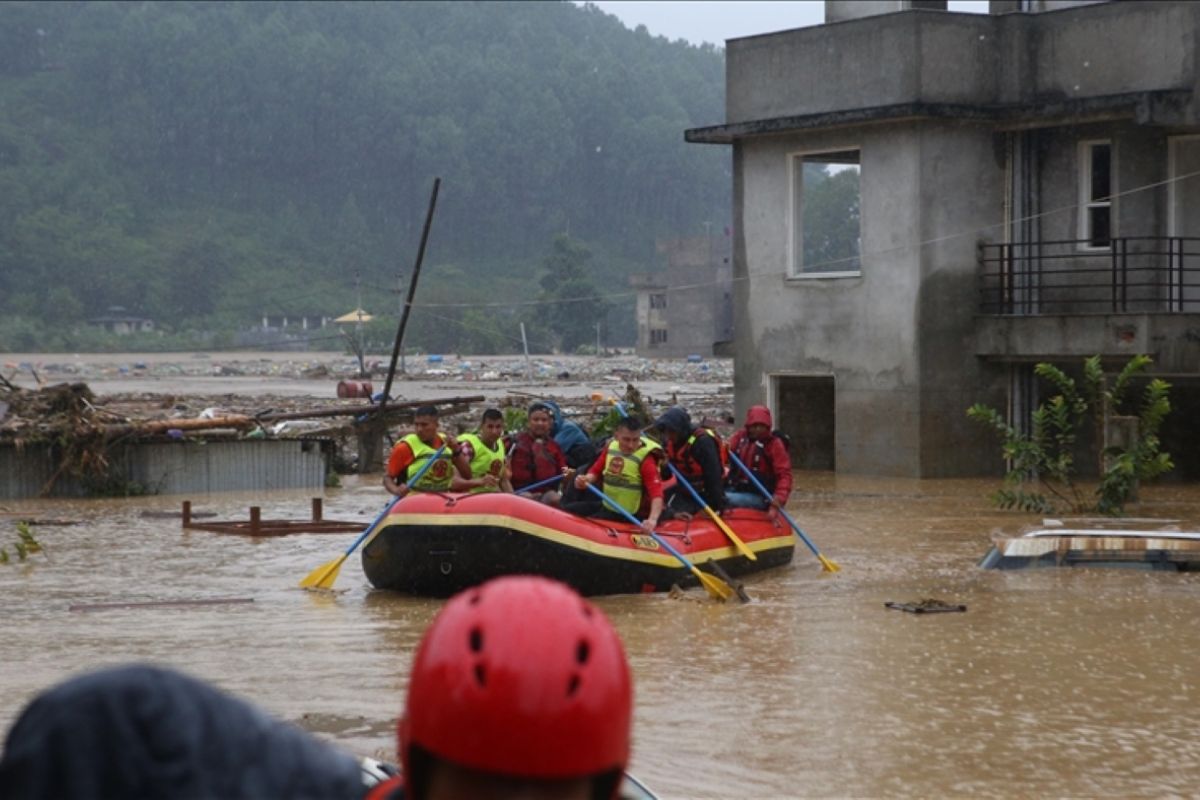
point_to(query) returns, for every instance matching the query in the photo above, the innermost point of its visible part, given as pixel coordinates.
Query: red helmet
(520, 676)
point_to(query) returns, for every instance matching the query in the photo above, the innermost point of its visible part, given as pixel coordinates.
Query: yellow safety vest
(486, 461)
(623, 474)
(439, 476)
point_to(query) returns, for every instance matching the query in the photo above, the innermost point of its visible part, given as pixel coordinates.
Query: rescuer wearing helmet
(520, 688)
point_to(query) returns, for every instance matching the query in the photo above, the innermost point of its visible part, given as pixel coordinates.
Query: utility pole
(400, 297)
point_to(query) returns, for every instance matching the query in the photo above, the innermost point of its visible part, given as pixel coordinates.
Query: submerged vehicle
(1130, 543)
(434, 544)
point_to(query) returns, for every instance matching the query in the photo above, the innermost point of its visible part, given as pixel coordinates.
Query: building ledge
(1159, 107)
(1172, 339)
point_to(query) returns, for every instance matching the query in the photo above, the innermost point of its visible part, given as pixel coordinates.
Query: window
(1097, 220)
(658, 301)
(826, 234)
(658, 336)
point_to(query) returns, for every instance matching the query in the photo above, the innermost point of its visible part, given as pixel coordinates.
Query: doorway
(804, 410)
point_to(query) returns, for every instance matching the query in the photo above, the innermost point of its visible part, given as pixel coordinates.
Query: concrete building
(926, 203)
(687, 308)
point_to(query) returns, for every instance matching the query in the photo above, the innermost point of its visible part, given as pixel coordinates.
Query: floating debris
(926, 606)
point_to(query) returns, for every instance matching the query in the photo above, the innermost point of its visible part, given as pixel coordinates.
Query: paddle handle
(771, 499)
(741, 546)
(539, 484)
(638, 522)
(424, 468)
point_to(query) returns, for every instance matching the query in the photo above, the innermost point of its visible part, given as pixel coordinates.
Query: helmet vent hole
(475, 598)
(476, 640)
(480, 675)
(582, 651)
(572, 685)
(587, 610)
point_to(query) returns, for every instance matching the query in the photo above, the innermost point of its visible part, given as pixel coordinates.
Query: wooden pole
(412, 290)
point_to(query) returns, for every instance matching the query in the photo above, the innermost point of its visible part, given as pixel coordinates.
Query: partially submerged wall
(175, 468)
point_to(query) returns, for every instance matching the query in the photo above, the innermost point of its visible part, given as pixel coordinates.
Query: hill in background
(203, 164)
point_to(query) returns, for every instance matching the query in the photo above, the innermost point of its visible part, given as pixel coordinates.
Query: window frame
(1086, 204)
(795, 270)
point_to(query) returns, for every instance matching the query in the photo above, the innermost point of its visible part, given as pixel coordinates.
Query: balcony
(1134, 274)
(1050, 300)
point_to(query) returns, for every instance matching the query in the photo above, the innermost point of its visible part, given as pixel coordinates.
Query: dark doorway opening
(805, 412)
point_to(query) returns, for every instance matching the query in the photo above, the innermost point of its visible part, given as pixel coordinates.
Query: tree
(570, 302)
(1046, 455)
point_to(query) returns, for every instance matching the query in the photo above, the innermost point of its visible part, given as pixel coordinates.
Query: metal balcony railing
(1136, 274)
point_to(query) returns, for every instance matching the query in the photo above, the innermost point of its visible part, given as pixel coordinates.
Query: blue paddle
(323, 576)
(825, 562)
(715, 586)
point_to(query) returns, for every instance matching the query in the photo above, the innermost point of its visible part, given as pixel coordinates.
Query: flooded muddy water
(1071, 682)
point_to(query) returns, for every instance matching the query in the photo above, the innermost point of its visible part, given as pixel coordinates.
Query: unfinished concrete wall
(860, 330)
(961, 191)
(937, 57)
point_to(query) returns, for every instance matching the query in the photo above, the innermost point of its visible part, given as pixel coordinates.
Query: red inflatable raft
(436, 544)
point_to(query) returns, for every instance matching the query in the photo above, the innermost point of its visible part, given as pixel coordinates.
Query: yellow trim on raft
(661, 559)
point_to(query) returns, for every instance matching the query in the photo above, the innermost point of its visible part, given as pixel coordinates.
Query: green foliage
(24, 546)
(572, 307)
(515, 419)
(1045, 456)
(203, 164)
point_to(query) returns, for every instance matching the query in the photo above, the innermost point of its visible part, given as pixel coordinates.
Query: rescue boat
(434, 544)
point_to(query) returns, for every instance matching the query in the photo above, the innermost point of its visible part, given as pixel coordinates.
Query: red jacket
(534, 460)
(767, 458)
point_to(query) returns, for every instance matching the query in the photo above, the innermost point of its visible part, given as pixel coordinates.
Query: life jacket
(754, 455)
(623, 474)
(681, 456)
(486, 461)
(541, 463)
(439, 476)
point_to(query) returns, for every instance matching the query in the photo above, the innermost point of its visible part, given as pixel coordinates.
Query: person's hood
(674, 419)
(758, 415)
(555, 415)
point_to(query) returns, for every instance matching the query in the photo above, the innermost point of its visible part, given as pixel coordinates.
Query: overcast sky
(715, 21)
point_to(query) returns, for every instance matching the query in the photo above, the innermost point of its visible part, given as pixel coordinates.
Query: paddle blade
(713, 585)
(323, 576)
(828, 565)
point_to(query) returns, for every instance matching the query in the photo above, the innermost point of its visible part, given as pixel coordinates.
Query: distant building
(279, 322)
(118, 322)
(687, 309)
(1009, 188)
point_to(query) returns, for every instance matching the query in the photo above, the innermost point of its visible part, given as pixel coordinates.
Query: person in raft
(411, 453)
(536, 457)
(628, 472)
(766, 454)
(698, 453)
(484, 452)
(520, 688)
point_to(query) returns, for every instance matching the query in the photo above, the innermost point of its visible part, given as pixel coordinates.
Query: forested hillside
(201, 164)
